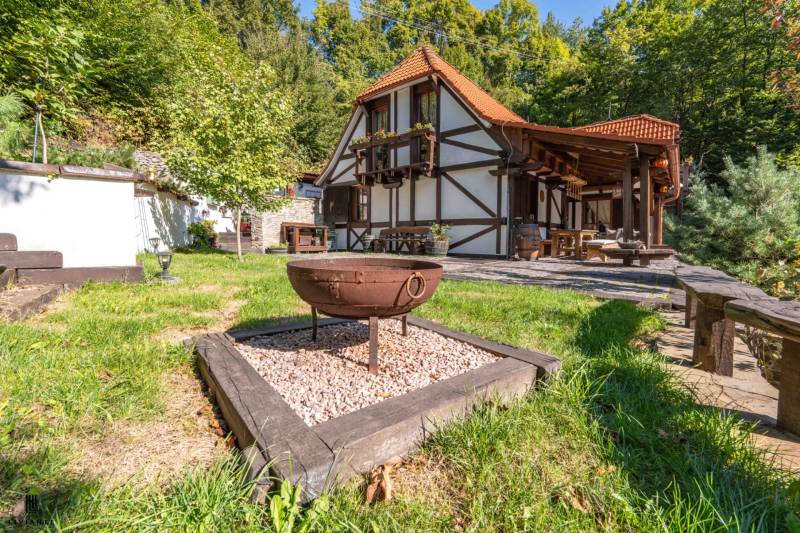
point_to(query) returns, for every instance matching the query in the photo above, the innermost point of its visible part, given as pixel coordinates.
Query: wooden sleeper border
(274, 437)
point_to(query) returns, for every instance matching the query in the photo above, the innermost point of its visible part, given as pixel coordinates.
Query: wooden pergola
(635, 154)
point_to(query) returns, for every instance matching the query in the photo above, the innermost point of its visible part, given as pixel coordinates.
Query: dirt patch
(423, 478)
(186, 435)
(224, 319)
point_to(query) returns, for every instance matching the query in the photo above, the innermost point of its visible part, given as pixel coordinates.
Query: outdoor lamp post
(164, 260)
(154, 242)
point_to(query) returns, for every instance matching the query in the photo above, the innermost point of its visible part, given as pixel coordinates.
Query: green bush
(65, 153)
(748, 225)
(203, 234)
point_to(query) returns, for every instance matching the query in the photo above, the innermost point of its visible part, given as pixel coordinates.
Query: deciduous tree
(230, 137)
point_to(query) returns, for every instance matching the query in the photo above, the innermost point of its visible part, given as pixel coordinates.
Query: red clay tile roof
(637, 126)
(424, 62)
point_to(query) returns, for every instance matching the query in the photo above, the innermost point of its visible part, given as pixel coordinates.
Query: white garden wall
(90, 221)
(164, 216)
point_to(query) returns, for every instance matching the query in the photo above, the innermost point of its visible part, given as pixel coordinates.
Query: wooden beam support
(645, 197)
(627, 201)
(468, 194)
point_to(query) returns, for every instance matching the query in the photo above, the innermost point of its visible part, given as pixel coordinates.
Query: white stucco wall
(403, 122)
(92, 222)
(164, 216)
(380, 204)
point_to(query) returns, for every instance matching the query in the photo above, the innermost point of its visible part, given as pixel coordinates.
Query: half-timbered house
(425, 144)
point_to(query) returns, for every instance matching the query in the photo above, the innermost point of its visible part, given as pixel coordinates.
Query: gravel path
(329, 378)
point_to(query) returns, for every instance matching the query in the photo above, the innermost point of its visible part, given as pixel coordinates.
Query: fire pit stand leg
(313, 323)
(404, 321)
(373, 345)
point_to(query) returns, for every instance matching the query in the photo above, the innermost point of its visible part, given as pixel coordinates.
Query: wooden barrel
(527, 240)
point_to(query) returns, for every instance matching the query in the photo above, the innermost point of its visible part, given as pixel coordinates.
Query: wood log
(713, 340)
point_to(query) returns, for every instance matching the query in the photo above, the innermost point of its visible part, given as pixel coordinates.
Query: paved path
(746, 393)
(649, 285)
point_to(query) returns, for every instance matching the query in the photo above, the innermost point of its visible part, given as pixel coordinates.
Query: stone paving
(746, 393)
(651, 285)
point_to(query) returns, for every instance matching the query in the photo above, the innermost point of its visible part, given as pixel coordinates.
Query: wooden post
(690, 314)
(564, 208)
(548, 208)
(404, 322)
(627, 201)
(658, 223)
(373, 345)
(713, 340)
(789, 398)
(645, 196)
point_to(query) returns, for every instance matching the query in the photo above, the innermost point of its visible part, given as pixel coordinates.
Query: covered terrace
(630, 167)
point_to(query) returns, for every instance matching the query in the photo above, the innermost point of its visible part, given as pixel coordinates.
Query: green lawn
(613, 443)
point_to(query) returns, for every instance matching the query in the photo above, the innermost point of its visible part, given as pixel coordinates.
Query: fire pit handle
(422, 285)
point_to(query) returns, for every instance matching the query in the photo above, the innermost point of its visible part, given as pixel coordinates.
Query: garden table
(574, 236)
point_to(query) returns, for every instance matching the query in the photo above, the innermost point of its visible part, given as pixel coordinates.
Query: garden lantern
(164, 261)
(154, 242)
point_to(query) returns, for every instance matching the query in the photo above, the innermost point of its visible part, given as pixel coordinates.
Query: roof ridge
(630, 117)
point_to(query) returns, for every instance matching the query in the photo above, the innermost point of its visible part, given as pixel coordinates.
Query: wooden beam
(349, 167)
(646, 193)
(499, 211)
(627, 201)
(564, 208)
(472, 147)
(658, 223)
(459, 131)
(474, 164)
(472, 237)
(469, 195)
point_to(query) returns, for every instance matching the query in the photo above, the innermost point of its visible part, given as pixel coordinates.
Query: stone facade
(266, 227)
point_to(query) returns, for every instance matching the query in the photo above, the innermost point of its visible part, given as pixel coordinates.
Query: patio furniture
(594, 248)
(707, 292)
(782, 319)
(572, 241)
(304, 237)
(395, 239)
(643, 255)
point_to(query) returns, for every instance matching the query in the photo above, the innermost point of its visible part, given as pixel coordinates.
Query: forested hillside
(105, 70)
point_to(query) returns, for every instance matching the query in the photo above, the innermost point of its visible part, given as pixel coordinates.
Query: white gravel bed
(329, 378)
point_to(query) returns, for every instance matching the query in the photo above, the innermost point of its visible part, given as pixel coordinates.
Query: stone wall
(266, 227)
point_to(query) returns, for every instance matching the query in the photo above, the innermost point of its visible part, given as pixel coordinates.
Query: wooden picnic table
(573, 236)
(412, 237)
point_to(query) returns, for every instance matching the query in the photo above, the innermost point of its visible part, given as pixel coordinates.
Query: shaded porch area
(607, 182)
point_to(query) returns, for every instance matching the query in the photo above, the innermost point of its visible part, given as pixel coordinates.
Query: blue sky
(564, 10)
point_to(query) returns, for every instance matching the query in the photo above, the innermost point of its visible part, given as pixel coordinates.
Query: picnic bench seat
(707, 292)
(644, 256)
(411, 237)
(782, 319)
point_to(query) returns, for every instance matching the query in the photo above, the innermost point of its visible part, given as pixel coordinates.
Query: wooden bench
(643, 256)
(411, 237)
(707, 292)
(781, 319)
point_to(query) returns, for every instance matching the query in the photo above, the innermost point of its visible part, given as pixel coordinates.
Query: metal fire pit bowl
(364, 288)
